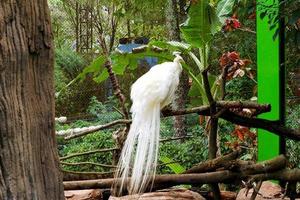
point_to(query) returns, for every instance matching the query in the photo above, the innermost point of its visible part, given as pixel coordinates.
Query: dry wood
(202, 110)
(75, 176)
(161, 180)
(213, 131)
(88, 163)
(257, 172)
(87, 153)
(214, 164)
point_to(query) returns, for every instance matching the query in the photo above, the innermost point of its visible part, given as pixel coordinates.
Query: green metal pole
(270, 77)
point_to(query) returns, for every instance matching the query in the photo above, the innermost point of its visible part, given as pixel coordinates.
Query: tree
(172, 22)
(29, 166)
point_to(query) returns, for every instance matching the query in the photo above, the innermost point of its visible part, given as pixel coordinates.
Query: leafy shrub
(105, 112)
(70, 62)
(293, 147)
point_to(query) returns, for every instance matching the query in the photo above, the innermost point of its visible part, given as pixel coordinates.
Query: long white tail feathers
(139, 155)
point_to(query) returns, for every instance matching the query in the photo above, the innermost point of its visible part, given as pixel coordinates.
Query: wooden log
(212, 165)
(76, 176)
(161, 180)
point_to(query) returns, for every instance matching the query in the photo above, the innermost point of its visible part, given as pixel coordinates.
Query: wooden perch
(162, 180)
(201, 110)
(87, 153)
(88, 163)
(212, 165)
(75, 176)
(78, 132)
(256, 172)
(269, 125)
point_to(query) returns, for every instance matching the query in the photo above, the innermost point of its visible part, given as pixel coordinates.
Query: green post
(270, 77)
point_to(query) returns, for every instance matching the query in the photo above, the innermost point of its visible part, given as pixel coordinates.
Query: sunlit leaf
(175, 167)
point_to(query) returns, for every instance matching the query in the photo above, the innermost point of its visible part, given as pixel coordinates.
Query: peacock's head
(178, 58)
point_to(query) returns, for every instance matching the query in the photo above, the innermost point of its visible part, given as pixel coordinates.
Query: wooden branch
(76, 176)
(271, 165)
(202, 110)
(170, 180)
(174, 138)
(78, 132)
(213, 131)
(212, 165)
(87, 153)
(290, 175)
(244, 104)
(107, 150)
(256, 190)
(88, 163)
(269, 125)
(264, 171)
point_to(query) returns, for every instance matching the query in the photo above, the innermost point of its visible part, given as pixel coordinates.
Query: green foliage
(293, 147)
(240, 89)
(105, 112)
(69, 62)
(97, 69)
(224, 9)
(201, 25)
(187, 154)
(59, 78)
(175, 167)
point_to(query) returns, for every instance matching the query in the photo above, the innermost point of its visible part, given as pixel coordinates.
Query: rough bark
(29, 167)
(172, 22)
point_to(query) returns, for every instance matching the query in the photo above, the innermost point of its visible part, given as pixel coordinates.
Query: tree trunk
(29, 167)
(172, 22)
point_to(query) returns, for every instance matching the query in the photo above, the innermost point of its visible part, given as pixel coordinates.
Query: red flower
(231, 24)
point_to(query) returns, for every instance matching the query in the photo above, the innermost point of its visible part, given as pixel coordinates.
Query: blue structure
(151, 61)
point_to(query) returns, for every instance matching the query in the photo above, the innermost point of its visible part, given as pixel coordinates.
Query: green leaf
(102, 77)
(197, 91)
(175, 167)
(119, 64)
(224, 9)
(96, 67)
(201, 25)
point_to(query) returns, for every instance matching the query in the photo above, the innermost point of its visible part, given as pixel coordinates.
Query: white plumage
(149, 94)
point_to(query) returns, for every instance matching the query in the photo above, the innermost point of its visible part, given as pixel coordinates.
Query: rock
(177, 194)
(83, 194)
(268, 190)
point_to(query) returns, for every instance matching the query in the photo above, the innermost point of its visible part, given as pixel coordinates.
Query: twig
(246, 30)
(174, 138)
(87, 153)
(256, 190)
(88, 163)
(108, 150)
(75, 176)
(78, 132)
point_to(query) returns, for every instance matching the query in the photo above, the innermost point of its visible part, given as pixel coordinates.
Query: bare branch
(78, 132)
(87, 153)
(88, 163)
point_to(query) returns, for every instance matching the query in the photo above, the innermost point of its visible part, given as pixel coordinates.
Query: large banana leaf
(224, 9)
(201, 25)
